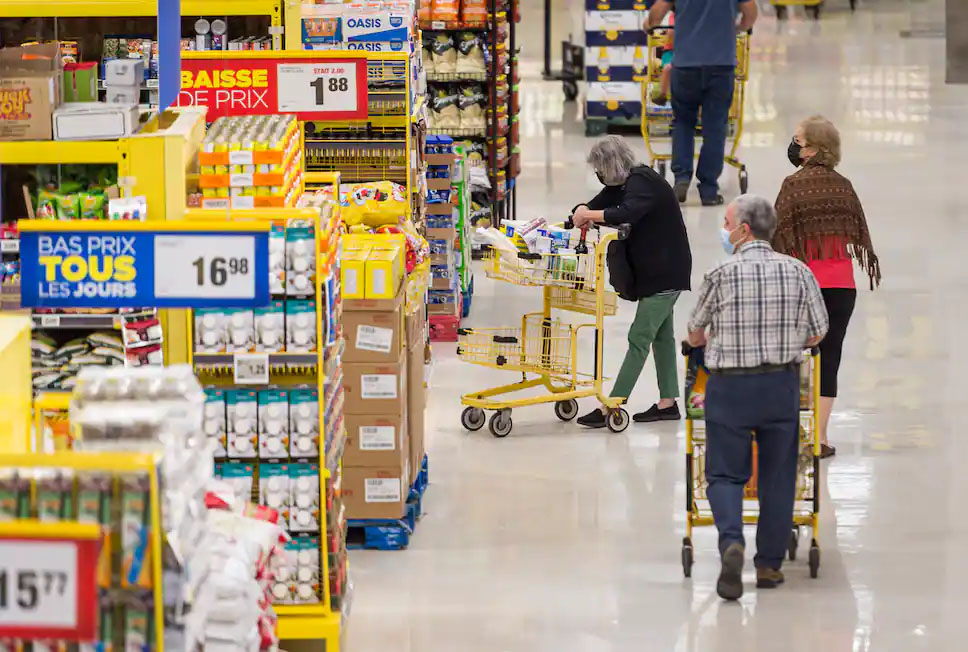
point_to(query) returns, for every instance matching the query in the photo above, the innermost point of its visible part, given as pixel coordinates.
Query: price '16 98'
(218, 270)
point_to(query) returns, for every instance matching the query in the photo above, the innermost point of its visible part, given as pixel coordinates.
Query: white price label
(241, 180)
(50, 321)
(374, 338)
(378, 438)
(240, 157)
(38, 584)
(10, 245)
(376, 386)
(438, 24)
(382, 490)
(251, 368)
(317, 87)
(192, 266)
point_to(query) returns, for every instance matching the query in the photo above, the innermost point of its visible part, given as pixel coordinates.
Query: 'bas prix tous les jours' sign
(324, 89)
(89, 268)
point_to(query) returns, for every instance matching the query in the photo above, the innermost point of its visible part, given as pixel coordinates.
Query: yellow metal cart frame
(657, 121)
(806, 508)
(542, 346)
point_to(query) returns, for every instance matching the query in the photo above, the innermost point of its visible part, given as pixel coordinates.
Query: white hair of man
(612, 159)
(758, 212)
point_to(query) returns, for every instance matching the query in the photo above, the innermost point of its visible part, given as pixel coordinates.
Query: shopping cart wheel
(472, 418)
(566, 410)
(794, 544)
(500, 423)
(744, 181)
(571, 90)
(814, 559)
(618, 420)
(687, 556)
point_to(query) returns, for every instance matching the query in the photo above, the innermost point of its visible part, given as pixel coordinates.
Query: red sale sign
(311, 88)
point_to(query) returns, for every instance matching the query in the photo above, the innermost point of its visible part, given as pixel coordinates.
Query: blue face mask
(728, 246)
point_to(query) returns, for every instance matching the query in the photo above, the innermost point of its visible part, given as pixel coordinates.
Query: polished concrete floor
(559, 539)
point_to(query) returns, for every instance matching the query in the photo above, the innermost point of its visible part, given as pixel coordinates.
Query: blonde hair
(821, 134)
(613, 159)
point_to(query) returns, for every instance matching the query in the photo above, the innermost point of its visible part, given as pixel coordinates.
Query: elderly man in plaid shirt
(756, 313)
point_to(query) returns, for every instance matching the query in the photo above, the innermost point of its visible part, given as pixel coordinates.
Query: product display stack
(470, 57)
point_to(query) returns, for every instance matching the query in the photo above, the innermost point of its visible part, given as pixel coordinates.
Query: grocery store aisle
(567, 540)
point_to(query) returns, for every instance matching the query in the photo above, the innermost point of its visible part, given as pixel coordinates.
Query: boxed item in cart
(304, 482)
(95, 121)
(375, 440)
(124, 72)
(214, 424)
(303, 423)
(242, 408)
(376, 492)
(273, 424)
(373, 335)
(80, 82)
(375, 387)
(31, 88)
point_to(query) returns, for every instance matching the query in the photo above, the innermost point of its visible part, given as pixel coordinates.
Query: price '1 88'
(219, 269)
(335, 84)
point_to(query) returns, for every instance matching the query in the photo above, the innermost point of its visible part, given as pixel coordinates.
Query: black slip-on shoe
(655, 413)
(682, 190)
(729, 586)
(713, 201)
(594, 419)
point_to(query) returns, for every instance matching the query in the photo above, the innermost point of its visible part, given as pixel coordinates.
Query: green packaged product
(46, 204)
(68, 206)
(91, 205)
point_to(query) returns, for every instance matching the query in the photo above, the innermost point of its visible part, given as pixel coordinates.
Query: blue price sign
(110, 265)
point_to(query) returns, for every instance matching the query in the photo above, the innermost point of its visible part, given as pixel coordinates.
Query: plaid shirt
(760, 308)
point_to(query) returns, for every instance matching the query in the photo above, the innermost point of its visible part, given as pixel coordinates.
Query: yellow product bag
(373, 204)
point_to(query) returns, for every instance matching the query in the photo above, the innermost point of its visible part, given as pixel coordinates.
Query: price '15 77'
(28, 587)
(218, 270)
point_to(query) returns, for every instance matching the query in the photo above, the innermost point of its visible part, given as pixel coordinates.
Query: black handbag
(620, 273)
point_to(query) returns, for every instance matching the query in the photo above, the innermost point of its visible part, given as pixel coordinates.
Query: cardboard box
(31, 88)
(376, 440)
(416, 408)
(375, 387)
(376, 492)
(124, 72)
(442, 234)
(440, 159)
(353, 273)
(376, 26)
(80, 82)
(373, 335)
(439, 184)
(122, 95)
(95, 121)
(439, 209)
(416, 328)
(385, 271)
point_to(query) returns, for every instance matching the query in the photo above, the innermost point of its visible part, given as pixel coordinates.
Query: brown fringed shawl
(819, 216)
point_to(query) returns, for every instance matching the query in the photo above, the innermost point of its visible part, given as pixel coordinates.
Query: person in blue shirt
(703, 77)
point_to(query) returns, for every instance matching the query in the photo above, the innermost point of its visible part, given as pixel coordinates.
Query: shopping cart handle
(523, 255)
(568, 225)
(814, 350)
(623, 231)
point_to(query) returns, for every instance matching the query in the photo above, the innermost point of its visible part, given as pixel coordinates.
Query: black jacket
(658, 247)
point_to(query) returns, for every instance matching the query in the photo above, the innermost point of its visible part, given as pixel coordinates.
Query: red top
(833, 271)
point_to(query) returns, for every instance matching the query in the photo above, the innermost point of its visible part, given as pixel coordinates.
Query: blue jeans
(709, 88)
(768, 404)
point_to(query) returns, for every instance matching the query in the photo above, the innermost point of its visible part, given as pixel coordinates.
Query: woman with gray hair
(660, 265)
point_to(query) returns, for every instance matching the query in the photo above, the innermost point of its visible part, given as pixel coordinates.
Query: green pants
(652, 327)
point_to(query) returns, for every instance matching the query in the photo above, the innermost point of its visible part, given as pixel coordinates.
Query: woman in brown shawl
(821, 222)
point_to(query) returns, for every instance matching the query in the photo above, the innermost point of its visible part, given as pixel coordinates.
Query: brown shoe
(729, 586)
(826, 450)
(767, 578)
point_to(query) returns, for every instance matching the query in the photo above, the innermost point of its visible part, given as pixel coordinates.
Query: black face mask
(793, 153)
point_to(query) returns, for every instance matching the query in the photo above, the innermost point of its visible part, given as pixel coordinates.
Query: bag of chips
(472, 102)
(444, 107)
(373, 204)
(444, 54)
(470, 53)
(445, 10)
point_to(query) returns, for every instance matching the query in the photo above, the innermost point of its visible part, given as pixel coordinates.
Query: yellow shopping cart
(657, 120)
(544, 346)
(806, 508)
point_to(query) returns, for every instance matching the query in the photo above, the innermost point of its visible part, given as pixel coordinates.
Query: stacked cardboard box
(376, 459)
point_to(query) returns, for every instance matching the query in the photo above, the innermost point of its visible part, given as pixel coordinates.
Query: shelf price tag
(318, 86)
(48, 588)
(128, 265)
(251, 368)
